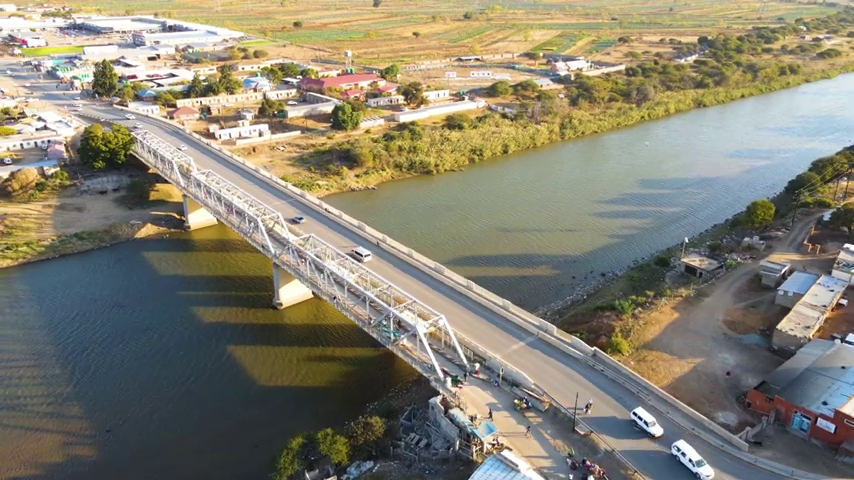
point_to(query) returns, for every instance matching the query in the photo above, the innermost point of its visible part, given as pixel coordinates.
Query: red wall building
(812, 393)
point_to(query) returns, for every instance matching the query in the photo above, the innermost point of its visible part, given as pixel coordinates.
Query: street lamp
(575, 412)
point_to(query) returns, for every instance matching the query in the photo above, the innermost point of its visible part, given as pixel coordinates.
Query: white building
(434, 95)
(281, 94)
(40, 139)
(8, 7)
(372, 122)
(428, 112)
(480, 74)
(385, 101)
(243, 130)
(145, 107)
(843, 268)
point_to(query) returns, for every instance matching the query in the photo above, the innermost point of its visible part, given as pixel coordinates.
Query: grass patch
(256, 43)
(45, 51)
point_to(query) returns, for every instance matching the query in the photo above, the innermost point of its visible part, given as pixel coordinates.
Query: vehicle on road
(77, 98)
(298, 219)
(27, 85)
(692, 460)
(130, 116)
(292, 103)
(7, 160)
(137, 126)
(642, 420)
(8, 72)
(182, 147)
(77, 105)
(361, 254)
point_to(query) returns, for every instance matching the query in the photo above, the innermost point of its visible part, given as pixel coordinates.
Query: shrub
(715, 247)
(759, 213)
(365, 430)
(624, 307)
(823, 203)
(617, 345)
(662, 261)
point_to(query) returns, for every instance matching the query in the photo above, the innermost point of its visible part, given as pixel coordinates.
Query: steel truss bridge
(387, 313)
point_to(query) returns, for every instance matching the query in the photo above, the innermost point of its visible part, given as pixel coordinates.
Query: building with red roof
(346, 82)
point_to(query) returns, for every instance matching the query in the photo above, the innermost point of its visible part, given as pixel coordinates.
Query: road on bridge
(556, 372)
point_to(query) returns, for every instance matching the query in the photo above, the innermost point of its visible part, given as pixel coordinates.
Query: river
(535, 226)
(160, 358)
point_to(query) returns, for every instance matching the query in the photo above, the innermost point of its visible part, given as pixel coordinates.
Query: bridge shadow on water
(117, 364)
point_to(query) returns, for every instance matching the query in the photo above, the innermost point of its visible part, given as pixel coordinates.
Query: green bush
(624, 307)
(823, 203)
(617, 345)
(662, 261)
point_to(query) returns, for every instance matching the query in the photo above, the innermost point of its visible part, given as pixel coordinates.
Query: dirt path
(688, 346)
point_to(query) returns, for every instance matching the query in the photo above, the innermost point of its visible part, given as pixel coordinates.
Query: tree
(309, 73)
(260, 54)
(196, 87)
(7, 131)
(269, 107)
(806, 179)
(345, 118)
(102, 149)
(358, 106)
(377, 3)
(624, 40)
(228, 81)
(759, 213)
(289, 69)
(413, 93)
(126, 94)
(213, 88)
(297, 24)
(526, 86)
(843, 217)
(416, 34)
(468, 15)
(391, 72)
(105, 80)
(365, 430)
(829, 167)
(288, 462)
(165, 99)
(333, 445)
(273, 74)
(617, 345)
(458, 121)
(499, 89)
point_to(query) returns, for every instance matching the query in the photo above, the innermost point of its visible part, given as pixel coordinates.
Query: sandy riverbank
(74, 222)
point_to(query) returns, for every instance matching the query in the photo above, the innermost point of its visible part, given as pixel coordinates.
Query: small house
(352, 94)
(246, 114)
(144, 107)
(699, 266)
(843, 267)
(794, 288)
(183, 114)
(801, 324)
(773, 273)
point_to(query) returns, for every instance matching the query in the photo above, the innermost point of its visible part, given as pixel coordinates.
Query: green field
(45, 51)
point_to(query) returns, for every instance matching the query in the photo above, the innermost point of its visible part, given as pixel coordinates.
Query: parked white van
(361, 254)
(691, 459)
(646, 422)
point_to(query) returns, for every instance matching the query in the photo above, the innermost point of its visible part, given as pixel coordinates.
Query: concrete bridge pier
(287, 290)
(196, 216)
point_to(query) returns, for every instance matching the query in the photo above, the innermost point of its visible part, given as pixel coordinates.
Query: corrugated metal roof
(826, 384)
(799, 282)
(505, 466)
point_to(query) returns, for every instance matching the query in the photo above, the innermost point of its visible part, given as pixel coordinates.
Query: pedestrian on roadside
(489, 415)
(466, 376)
(528, 431)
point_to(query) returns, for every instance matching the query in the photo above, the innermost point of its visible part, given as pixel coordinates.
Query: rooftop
(845, 259)
(701, 262)
(342, 80)
(125, 24)
(806, 316)
(505, 466)
(820, 377)
(799, 283)
(773, 268)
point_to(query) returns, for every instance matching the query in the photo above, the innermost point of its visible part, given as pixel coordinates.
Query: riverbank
(411, 150)
(74, 222)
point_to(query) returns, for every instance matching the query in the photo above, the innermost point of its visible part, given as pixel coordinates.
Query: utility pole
(836, 190)
(575, 411)
(847, 182)
(795, 211)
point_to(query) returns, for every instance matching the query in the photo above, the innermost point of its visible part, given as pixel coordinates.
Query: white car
(77, 105)
(27, 85)
(299, 219)
(138, 126)
(130, 116)
(182, 147)
(692, 460)
(642, 420)
(77, 98)
(8, 72)
(7, 160)
(291, 102)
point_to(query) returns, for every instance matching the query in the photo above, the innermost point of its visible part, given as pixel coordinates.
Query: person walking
(466, 376)
(528, 431)
(489, 415)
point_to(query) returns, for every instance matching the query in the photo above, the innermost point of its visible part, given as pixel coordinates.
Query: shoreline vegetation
(728, 67)
(609, 310)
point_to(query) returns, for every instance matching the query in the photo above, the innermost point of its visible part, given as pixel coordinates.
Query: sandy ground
(31, 231)
(687, 347)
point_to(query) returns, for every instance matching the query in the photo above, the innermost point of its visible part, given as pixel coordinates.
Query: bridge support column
(287, 290)
(196, 216)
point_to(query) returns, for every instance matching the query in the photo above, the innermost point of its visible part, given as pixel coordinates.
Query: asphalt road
(558, 373)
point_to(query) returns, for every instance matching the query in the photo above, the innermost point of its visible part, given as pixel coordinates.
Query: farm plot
(557, 44)
(470, 34)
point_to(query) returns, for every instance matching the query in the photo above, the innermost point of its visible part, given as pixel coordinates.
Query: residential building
(145, 107)
(241, 98)
(386, 101)
(8, 7)
(445, 109)
(547, 84)
(372, 122)
(243, 130)
(806, 317)
(281, 94)
(352, 94)
(437, 95)
(505, 465)
(811, 394)
(699, 266)
(773, 273)
(387, 88)
(56, 152)
(246, 114)
(794, 288)
(40, 139)
(565, 67)
(843, 267)
(184, 114)
(346, 82)
(258, 84)
(480, 74)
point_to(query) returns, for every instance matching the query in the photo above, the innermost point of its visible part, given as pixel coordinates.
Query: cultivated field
(401, 30)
